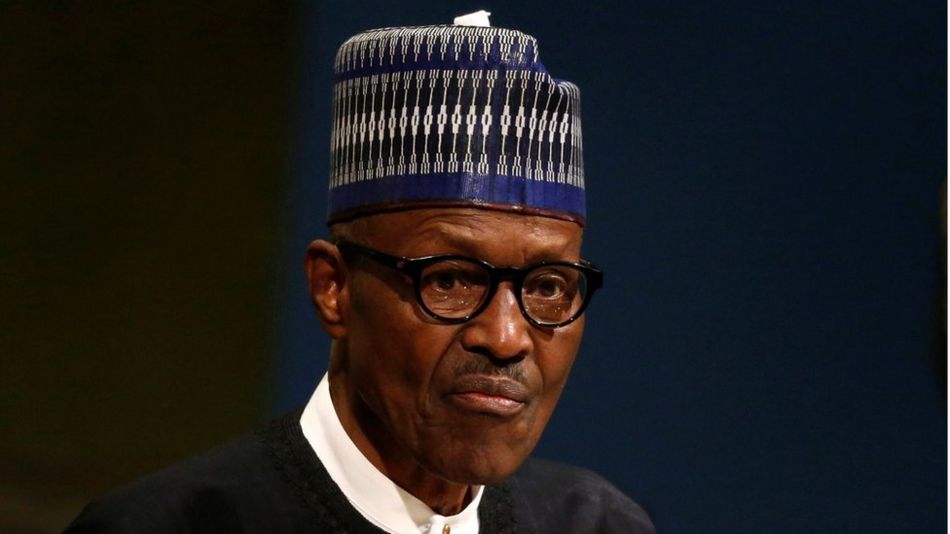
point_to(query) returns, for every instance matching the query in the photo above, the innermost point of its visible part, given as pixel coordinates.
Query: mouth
(489, 395)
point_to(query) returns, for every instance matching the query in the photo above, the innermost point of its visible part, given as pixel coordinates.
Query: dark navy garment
(272, 481)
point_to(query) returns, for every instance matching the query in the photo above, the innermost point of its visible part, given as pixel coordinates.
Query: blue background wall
(765, 184)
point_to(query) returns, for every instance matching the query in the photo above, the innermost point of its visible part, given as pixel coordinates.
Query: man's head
(465, 401)
(451, 140)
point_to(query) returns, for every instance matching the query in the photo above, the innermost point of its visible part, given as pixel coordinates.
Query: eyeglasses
(454, 288)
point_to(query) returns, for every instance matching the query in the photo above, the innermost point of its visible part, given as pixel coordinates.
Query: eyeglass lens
(455, 288)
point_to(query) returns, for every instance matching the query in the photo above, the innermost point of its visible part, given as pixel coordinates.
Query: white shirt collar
(381, 501)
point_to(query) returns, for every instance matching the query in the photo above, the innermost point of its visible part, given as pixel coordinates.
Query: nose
(500, 330)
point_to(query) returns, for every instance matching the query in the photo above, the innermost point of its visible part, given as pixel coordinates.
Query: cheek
(394, 353)
(555, 359)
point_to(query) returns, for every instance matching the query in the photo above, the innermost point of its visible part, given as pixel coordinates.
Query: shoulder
(228, 488)
(552, 497)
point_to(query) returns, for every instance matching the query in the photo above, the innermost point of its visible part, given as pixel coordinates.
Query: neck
(376, 443)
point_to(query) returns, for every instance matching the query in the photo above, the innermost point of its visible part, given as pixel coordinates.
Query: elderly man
(453, 290)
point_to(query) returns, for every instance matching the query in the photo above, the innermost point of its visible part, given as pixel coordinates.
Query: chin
(475, 464)
(481, 473)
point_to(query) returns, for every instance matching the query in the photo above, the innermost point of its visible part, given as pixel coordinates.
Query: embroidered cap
(452, 115)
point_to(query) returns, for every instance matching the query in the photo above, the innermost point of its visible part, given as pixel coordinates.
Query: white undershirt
(381, 501)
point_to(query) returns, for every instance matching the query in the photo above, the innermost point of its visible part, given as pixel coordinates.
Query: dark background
(766, 194)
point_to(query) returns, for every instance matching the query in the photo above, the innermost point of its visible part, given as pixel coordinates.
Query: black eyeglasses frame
(413, 267)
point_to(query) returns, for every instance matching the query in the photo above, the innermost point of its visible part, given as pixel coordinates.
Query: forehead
(512, 238)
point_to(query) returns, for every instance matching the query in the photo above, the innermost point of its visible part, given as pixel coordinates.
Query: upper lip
(491, 385)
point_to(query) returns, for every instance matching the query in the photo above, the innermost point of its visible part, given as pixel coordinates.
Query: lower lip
(488, 404)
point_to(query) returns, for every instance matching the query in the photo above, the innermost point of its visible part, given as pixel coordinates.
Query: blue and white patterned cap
(452, 116)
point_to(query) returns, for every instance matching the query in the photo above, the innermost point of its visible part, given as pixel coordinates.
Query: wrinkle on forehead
(467, 230)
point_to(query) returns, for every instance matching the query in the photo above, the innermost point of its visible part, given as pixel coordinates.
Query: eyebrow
(470, 246)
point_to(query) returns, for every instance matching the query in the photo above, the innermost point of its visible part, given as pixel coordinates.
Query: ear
(326, 276)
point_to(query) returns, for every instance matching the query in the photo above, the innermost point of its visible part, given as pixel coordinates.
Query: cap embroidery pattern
(452, 114)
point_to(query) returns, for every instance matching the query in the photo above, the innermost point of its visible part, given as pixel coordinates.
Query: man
(453, 290)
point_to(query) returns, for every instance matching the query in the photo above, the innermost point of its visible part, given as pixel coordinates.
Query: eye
(552, 283)
(548, 286)
(453, 288)
(444, 280)
(452, 276)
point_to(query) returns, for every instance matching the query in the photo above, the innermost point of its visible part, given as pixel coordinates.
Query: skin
(395, 372)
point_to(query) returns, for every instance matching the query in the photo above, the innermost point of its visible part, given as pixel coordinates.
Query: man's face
(467, 401)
